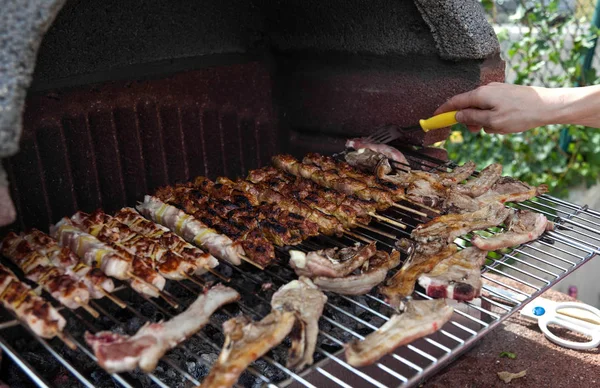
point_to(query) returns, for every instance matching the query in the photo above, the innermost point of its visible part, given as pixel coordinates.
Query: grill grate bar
(332, 378)
(24, 365)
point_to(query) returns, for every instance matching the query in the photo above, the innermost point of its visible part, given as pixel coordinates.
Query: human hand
(503, 108)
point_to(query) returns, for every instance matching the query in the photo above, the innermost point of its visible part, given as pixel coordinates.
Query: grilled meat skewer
(93, 278)
(311, 196)
(68, 290)
(109, 230)
(116, 263)
(166, 238)
(255, 245)
(333, 180)
(191, 229)
(327, 224)
(33, 310)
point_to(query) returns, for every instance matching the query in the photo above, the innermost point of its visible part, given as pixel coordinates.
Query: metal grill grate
(537, 266)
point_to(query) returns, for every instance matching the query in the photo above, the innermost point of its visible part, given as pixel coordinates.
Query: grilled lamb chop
(303, 297)
(420, 318)
(457, 175)
(245, 342)
(424, 258)
(507, 189)
(370, 161)
(120, 353)
(373, 273)
(331, 262)
(480, 185)
(449, 227)
(523, 226)
(389, 151)
(457, 277)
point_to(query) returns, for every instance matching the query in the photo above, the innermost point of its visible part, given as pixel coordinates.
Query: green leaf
(510, 355)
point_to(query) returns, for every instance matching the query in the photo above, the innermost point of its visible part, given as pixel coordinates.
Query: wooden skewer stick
(408, 209)
(375, 230)
(160, 293)
(66, 340)
(218, 274)
(247, 260)
(86, 307)
(385, 219)
(193, 279)
(112, 298)
(359, 237)
(420, 205)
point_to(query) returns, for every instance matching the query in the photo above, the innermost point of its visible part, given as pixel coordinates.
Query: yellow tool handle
(440, 121)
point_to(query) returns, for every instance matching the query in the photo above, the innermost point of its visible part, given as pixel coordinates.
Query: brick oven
(102, 102)
(128, 96)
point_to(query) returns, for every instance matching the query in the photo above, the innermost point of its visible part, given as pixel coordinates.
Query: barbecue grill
(238, 91)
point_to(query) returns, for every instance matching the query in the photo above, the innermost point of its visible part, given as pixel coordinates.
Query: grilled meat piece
(245, 342)
(331, 179)
(507, 189)
(332, 262)
(458, 203)
(450, 226)
(457, 277)
(369, 161)
(483, 182)
(67, 289)
(91, 250)
(119, 353)
(344, 170)
(303, 297)
(33, 310)
(457, 175)
(372, 273)
(421, 318)
(191, 229)
(388, 151)
(423, 260)
(93, 278)
(111, 231)
(426, 189)
(522, 226)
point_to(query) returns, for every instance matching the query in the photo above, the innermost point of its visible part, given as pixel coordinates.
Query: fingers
(472, 99)
(474, 117)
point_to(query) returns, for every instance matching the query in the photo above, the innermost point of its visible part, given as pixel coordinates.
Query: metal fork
(385, 134)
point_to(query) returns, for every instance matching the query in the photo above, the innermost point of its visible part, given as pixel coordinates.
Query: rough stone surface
(22, 26)
(460, 28)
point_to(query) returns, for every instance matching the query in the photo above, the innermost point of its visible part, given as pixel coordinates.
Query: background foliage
(544, 43)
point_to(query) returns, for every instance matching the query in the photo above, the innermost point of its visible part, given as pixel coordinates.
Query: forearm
(580, 106)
